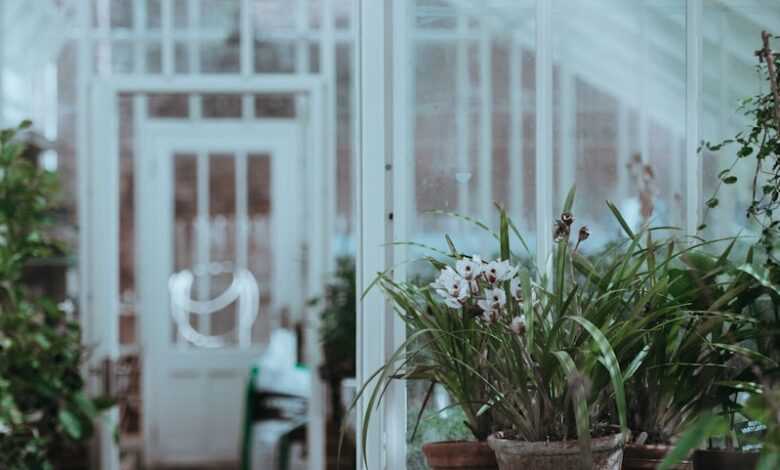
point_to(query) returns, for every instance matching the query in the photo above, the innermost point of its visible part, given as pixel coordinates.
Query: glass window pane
(473, 133)
(619, 109)
(732, 34)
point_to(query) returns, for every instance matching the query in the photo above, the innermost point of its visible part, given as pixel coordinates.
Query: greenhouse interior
(393, 234)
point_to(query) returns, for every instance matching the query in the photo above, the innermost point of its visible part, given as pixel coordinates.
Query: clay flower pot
(521, 455)
(648, 457)
(724, 460)
(461, 455)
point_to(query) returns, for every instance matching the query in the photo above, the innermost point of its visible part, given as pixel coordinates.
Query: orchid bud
(567, 218)
(584, 233)
(561, 231)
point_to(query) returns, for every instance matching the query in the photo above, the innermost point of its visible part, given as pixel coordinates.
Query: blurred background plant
(44, 411)
(337, 331)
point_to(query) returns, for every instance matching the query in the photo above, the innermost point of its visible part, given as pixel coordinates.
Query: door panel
(196, 212)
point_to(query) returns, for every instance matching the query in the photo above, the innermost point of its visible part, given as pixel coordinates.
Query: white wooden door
(196, 210)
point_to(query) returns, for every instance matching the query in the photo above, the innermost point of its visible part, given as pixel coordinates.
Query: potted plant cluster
(595, 364)
(45, 414)
(645, 356)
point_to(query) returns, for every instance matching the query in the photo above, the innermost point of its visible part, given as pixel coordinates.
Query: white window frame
(383, 146)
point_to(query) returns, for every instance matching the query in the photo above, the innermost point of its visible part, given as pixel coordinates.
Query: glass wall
(623, 94)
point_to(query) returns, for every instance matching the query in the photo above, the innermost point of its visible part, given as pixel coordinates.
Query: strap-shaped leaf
(704, 427)
(612, 365)
(580, 404)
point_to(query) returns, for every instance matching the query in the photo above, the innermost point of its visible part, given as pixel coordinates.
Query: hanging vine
(761, 142)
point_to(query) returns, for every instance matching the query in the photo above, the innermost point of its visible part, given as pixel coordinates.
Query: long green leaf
(580, 404)
(612, 365)
(703, 428)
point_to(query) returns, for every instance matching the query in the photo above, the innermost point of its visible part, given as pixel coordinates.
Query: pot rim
(453, 441)
(570, 447)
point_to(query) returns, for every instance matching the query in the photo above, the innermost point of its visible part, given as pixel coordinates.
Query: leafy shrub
(44, 412)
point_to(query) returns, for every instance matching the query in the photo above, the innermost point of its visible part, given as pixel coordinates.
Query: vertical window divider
(402, 184)
(544, 186)
(693, 52)
(485, 124)
(246, 51)
(462, 113)
(373, 142)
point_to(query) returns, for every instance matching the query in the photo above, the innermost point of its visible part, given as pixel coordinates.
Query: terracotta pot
(461, 455)
(642, 457)
(520, 455)
(724, 460)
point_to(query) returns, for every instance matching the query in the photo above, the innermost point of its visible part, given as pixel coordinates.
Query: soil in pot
(724, 460)
(459, 455)
(648, 457)
(521, 455)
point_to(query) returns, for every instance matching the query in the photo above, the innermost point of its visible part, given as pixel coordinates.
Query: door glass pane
(259, 239)
(185, 194)
(222, 240)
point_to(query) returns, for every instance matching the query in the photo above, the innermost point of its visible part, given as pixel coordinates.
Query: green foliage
(43, 409)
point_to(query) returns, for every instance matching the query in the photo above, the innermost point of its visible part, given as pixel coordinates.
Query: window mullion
(544, 135)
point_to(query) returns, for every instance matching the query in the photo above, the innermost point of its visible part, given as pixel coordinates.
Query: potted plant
(689, 346)
(675, 340)
(559, 385)
(45, 415)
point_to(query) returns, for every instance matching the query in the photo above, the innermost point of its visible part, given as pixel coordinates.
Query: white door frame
(99, 234)
(162, 139)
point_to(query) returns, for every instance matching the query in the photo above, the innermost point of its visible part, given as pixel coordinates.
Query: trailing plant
(760, 141)
(44, 411)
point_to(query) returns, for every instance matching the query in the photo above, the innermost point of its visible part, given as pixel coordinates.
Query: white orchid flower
(451, 287)
(494, 299)
(518, 325)
(469, 268)
(499, 271)
(516, 288)
(490, 316)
